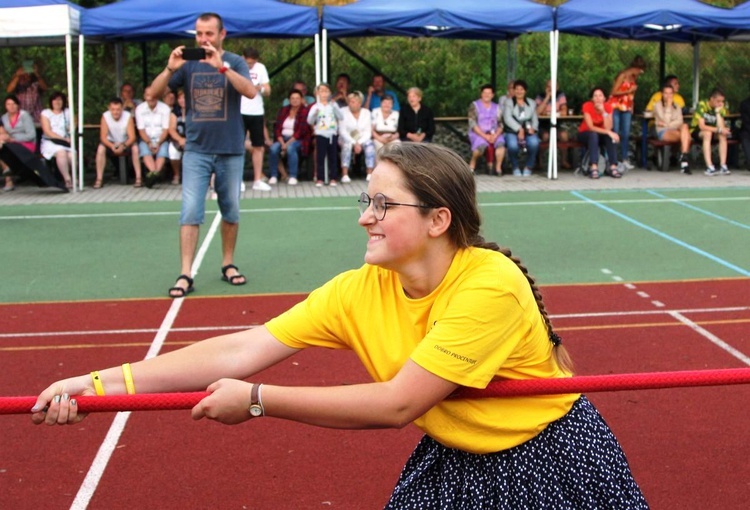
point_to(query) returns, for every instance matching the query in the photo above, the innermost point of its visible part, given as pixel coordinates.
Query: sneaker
(627, 165)
(150, 179)
(261, 186)
(345, 179)
(369, 176)
(273, 180)
(318, 184)
(724, 170)
(242, 186)
(526, 172)
(292, 181)
(9, 187)
(684, 166)
(711, 171)
(333, 183)
(517, 172)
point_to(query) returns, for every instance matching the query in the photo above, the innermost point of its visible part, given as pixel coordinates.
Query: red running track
(687, 447)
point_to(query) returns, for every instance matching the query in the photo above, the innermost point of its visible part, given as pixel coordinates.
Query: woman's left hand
(227, 403)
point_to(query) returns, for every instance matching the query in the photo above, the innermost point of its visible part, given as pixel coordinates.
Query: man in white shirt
(152, 121)
(116, 139)
(253, 115)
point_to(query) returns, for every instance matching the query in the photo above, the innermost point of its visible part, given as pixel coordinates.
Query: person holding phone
(214, 142)
(28, 86)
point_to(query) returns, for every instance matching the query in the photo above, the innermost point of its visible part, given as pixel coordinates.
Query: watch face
(255, 411)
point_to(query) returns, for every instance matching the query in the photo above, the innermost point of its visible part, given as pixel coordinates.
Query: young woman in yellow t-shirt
(435, 307)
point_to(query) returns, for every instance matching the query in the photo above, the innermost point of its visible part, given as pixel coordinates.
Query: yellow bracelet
(128, 375)
(98, 386)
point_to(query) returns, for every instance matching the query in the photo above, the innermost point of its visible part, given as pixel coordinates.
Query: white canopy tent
(45, 22)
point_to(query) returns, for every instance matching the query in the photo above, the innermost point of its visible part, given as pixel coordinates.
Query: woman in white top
(670, 126)
(56, 135)
(385, 123)
(355, 135)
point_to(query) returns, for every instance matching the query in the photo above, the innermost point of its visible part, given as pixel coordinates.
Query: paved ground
(113, 191)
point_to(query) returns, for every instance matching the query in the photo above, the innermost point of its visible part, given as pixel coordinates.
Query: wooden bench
(663, 149)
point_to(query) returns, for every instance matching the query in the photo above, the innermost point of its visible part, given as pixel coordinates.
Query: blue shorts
(145, 150)
(196, 177)
(660, 133)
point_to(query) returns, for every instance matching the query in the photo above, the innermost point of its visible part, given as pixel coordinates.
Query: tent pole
(317, 59)
(71, 107)
(324, 55)
(80, 109)
(552, 156)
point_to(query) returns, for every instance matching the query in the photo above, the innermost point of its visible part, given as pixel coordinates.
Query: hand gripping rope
(507, 388)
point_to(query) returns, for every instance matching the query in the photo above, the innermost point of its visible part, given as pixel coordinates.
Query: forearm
(161, 82)
(360, 406)
(193, 368)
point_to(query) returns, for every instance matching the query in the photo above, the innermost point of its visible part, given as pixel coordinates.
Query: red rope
(578, 384)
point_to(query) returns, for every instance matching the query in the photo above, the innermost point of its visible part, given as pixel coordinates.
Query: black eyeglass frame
(365, 200)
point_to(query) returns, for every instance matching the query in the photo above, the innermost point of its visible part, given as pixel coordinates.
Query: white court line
(353, 207)
(712, 338)
(94, 475)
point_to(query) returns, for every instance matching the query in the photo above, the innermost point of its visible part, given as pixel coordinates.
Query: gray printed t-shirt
(213, 120)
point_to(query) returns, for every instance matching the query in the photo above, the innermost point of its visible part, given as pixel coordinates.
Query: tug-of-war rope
(508, 388)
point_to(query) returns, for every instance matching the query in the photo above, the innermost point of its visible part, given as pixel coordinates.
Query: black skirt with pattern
(575, 463)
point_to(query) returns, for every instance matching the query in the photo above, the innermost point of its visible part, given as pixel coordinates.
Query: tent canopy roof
(142, 20)
(36, 22)
(649, 20)
(438, 18)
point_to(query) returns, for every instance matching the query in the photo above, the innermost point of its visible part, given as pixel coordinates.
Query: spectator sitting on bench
(486, 128)
(56, 129)
(152, 121)
(670, 126)
(596, 130)
(116, 139)
(708, 124)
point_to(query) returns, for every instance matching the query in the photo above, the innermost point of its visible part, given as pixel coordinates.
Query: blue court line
(661, 234)
(698, 209)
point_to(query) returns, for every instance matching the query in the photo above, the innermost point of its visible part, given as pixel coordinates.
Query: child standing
(324, 117)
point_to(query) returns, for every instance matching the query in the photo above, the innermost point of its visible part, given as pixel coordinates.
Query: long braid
(560, 353)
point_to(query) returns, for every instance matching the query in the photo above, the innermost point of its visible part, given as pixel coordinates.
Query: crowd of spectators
(340, 127)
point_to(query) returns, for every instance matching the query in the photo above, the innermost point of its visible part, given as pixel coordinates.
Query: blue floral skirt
(575, 463)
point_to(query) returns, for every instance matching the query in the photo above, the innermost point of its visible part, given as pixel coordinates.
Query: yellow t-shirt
(482, 322)
(678, 100)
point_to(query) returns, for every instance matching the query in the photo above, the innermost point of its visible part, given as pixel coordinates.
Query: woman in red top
(596, 130)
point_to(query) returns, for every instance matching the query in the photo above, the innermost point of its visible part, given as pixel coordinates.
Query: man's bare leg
(229, 232)
(188, 245)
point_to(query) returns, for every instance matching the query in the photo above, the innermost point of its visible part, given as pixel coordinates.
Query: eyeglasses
(380, 206)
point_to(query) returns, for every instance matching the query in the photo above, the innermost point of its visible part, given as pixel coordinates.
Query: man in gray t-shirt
(215, 138)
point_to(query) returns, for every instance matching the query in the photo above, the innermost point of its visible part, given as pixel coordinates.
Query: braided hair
(438, 177)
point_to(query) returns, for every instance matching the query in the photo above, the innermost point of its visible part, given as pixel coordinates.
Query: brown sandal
(98, 184)
(138, 184)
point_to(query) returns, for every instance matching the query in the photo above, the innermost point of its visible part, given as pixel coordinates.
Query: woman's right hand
(55, 405)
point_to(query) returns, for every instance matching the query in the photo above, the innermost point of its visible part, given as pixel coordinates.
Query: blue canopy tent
(686, 21)
(42, 22)
(647, 20)
(437, 18)
(143, 20)
(149, 20)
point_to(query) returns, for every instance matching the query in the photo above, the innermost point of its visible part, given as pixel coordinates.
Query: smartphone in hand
(194, 53)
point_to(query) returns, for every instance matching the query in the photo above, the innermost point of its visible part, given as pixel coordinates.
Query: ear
(440, 221)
